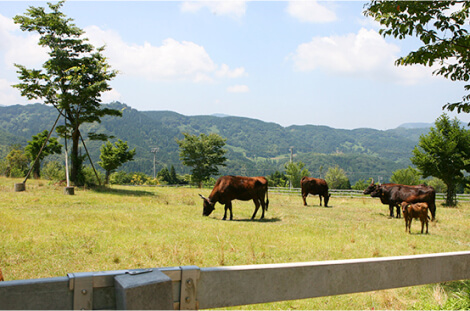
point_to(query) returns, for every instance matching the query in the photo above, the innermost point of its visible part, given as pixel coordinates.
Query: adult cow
(395, 194)
(314, 186)
(228, 188)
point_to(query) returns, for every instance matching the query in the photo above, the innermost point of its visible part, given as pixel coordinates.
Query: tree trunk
(450, 195)
(76, 163)
(37, 170)
(106, 180)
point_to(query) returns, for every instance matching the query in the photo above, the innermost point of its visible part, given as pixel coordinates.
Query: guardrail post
(188, 292)
(149, 289)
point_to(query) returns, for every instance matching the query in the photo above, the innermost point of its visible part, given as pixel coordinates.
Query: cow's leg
(228, 206)
(426, 223)
(320, 198)
(256, 201)
(422, 226)
(409, 224)
(398, 211)
(304, 197)
(390, 207)
(264, 207)
(225, 211)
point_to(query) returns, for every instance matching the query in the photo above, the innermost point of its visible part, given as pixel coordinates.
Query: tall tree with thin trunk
(73, 77)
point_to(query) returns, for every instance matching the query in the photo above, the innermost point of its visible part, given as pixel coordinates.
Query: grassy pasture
(44, 233)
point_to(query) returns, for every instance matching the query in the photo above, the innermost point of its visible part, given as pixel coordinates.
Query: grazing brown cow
(228, 188)
(314, 186)
(417, 211)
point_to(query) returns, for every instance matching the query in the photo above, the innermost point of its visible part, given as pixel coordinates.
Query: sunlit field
(45, 233)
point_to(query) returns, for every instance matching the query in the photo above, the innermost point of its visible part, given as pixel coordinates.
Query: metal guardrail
(192, 287)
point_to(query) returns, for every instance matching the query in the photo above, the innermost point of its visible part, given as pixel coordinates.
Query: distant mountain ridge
(254, 147)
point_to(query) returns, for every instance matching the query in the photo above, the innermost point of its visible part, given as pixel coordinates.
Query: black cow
(395, 194)
(228, 188)
(314, 186)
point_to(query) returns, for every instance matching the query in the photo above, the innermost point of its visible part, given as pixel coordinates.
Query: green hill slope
(254, 147)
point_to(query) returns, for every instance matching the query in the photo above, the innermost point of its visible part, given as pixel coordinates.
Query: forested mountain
(254, 147)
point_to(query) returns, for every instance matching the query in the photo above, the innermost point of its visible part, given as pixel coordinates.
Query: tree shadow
(123, 192)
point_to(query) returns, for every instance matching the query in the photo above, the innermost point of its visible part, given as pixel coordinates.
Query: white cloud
(365, 54)
(225, 71)
(310, 11)
(232, 8)
(173, 60)
(10, 96)
(238, 89)
(19, 47)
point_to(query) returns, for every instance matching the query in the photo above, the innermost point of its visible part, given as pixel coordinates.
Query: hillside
(254, 147)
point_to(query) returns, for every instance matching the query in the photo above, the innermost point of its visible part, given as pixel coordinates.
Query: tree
(441, 27)
(360, 185)
(295, 171)
(113, 156)
(277, 179)
(337, 179)
(17, 162)
(73, 78)
(406, 176)
(445, 154)
(204, 154)
(34, 147)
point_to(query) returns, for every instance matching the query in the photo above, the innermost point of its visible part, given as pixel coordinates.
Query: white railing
(192, 287)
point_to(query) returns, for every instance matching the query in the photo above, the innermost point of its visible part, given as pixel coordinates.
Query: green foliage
(34, 147)
(278, 179)
(17, 162)
(337, 179)
(441, 26)
(54, 171)
(437, 184)
(444, 153)
(169, 176)
(120, 178)
(89, 176)
(74, 76)
(204, 154)
(113, 156)
(406, 176)
(294, 173)
(360, 185)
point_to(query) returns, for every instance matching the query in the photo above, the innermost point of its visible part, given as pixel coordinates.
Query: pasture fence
(350, 193)
(191, 287)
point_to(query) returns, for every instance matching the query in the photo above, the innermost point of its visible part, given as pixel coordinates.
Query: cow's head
(327, 198)
(377, 192)
(208, 206)
(372, 187)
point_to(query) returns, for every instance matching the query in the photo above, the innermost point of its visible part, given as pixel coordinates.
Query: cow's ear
(203, 197)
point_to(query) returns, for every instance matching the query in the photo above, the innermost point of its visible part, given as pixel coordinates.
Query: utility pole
(291, 161)
(154, 151)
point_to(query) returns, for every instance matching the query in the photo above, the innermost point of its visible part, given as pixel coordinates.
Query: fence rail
(191, 287)
(354, 193)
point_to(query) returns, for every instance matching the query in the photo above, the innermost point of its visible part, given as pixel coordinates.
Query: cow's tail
(267, 199)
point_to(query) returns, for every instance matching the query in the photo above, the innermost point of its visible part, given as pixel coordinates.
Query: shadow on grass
(125, 192)
(267, 220)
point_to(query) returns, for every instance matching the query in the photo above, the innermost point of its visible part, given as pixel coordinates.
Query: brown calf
(417, 211)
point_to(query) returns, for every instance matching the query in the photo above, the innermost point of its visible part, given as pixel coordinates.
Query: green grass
(44, 233)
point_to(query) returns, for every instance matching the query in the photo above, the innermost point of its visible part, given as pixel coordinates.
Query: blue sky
(287, 62)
